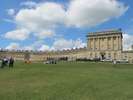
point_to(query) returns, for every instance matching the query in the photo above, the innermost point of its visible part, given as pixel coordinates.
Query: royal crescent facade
(103, 45)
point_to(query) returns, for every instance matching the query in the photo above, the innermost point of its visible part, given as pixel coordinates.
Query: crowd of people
(7, 62)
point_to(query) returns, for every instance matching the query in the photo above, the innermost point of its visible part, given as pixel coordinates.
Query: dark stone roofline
(107, 32)
(127, 51)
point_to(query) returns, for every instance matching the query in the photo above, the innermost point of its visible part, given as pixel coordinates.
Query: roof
(106, 32)
(129, 51)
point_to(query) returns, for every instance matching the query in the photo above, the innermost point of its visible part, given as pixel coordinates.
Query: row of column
(105, 43)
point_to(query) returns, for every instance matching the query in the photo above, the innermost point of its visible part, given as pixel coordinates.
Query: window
(109, 38)
(109, 55)
(125, 56)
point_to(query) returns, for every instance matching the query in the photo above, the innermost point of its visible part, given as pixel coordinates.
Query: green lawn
(67, 81)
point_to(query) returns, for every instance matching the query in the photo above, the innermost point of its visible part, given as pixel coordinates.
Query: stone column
(99, 43)
(93, 48)
(94, 44)
(89, 43)
(118, 47)
(107, 43)
(120, 43)
(112, 43)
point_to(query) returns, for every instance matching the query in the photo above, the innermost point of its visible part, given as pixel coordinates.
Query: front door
(102, 55)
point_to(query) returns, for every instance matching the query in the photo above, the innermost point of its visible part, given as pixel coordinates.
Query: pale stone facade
(108, 45)
(103, 45)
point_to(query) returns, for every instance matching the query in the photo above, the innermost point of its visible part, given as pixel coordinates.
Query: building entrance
(102, 55)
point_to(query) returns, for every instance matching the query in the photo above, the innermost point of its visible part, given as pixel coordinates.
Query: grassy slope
(67, 81)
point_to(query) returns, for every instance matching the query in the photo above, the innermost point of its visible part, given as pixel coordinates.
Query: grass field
(67, 81)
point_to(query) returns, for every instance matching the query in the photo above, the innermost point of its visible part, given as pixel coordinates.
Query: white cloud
(11, 12)
(44, 17)
(19, 34)
(79, 13)
(61, 44)
(27, 48)
(45, 34)
(37, 45)
(13, 46)
(44, 48)
(29, 4)
(127, 41)
(48, 15)
(79, 44)
(34, 46)
(41, 19)
(93, 12)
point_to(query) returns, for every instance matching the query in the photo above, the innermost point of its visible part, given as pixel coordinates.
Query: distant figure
(3, 63)
(11, 62)
(114, 63)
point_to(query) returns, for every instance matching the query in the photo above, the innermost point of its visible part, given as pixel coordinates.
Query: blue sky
(61, 24)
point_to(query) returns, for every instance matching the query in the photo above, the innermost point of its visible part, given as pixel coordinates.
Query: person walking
(11, 62)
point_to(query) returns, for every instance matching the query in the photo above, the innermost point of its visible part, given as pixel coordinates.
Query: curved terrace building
(104, 45)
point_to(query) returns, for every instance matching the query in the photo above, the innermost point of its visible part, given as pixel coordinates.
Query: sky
(61, 24)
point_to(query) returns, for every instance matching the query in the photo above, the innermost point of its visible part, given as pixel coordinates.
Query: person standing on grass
(11, 62)
(114, 62)
(3, 63)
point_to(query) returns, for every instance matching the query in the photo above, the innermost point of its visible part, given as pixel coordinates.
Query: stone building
(107, 45)
(103, 45)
